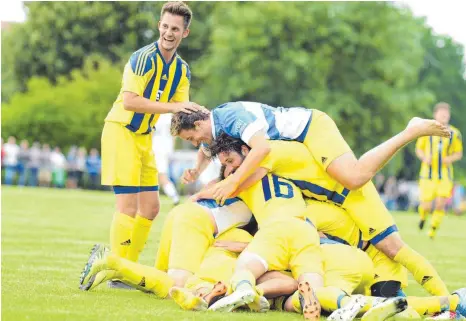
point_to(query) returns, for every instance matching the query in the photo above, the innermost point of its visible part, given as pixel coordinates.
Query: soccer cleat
(260, 304)
(386, 309)
(310, 306)
(95, 271)
(350, 310)
(421, 224)
(408, 314)
(446, 315)
(117, 284)
(235, 300)
(461, 308)
(188, 300)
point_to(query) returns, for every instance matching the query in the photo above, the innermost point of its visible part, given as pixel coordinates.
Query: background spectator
(80, 166)
(45, 171)
(23, 160)
(93, 168)
(11, 160)
(71, 171)
(33, 164)
(391, 193)
(58, 162)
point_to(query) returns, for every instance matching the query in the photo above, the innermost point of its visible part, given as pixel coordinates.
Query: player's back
(279, 123)
(273, 196)
(148, 75)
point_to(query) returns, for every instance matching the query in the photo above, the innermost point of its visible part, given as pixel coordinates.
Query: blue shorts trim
(134, 189)
(381, 236)
(304, 133)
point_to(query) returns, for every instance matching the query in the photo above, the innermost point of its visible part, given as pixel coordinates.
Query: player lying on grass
(364, 206)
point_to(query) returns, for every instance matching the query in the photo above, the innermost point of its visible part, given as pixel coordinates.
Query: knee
(390, 245)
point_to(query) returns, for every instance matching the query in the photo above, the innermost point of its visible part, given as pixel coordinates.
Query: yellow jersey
(438, 148)
(273, 196)
(148, 75)
(293, 161)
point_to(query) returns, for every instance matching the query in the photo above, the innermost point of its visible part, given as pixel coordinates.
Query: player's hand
(194, 198)
(427, 159)
(190, 176)
(447, 160)
(236, 247)
(223, 190)
(188, 107)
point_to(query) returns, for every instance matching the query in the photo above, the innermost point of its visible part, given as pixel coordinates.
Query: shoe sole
(350, 310)
(234, 301)
(309, 303)
(386, 310)
(119, 285)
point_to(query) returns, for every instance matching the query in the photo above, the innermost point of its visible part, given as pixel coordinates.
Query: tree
(67, 113)
(357, 61)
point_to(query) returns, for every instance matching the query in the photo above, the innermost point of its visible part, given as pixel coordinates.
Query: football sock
(437, 217)
(139, 237)
(434, 304)
(170, 190)
(120, 233)
(331, 298)
(142, 277)
(423, 272)
(243, 279)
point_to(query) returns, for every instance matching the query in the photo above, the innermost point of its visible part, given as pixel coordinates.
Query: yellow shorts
(334, 222)
(431, 189)
(219, 264)
(347, 268)
(324, 139)
(128, 160)
(385, 269)
(369, 213)
(288, 244)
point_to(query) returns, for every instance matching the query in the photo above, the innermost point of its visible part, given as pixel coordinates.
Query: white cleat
(350, 310)
(385, 310)
(446, 315)
(235, 300)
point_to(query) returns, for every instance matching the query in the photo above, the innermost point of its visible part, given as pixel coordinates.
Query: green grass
(47, 234)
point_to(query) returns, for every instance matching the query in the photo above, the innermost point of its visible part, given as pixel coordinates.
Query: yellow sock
(143, 277)
(423, 272)
(433, 304)
(437, 217)
(422, 212)
(120, 233)
(139, 237)
(295, 302)
(331, 298)
(242, 278)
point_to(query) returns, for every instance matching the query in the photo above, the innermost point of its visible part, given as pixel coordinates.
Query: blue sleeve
(234, 120)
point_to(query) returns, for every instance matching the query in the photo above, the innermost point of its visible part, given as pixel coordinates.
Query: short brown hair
(178, 8)
(441, 105)
(183, 121)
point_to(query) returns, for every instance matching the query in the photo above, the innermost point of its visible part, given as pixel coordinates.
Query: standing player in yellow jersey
(437, 155)
(155, 81)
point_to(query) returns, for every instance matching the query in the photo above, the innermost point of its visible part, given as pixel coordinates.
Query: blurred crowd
(403, 195)
(26, 164)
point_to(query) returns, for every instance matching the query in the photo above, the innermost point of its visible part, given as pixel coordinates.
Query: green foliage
(70, 112)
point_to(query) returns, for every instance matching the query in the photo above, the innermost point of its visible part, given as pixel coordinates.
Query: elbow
(356, 182)
(128, 102)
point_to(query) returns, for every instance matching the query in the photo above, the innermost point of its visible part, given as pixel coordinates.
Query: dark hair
(178, 8)
(221, 175)
(183, 121)
(225, 143)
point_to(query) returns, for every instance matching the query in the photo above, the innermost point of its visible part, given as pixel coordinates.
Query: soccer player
(155, 81)
(437, 155)
(292, 160)
(163, 146)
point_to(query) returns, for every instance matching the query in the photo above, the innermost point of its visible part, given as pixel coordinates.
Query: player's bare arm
(453, 158)
(136, 103)
(192, 174)
(423, 157)
(260, 148)
(354, 173)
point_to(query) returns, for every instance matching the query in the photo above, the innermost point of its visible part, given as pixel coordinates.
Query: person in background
(58, 161)
(458, 199)
(11, 160)
(45, 170)
(163, 145)
(71, 175)
(93, 164)
(23, 160)
(391, 193)
(80, 166)
(3, 152)
(379, 183)
(33, 164)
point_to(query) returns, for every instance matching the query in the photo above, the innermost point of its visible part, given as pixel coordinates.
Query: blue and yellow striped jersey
(438, 148)
(148, 75)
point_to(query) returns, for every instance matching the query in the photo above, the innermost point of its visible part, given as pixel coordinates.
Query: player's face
(442, 116)
(171, 28)
(196, 136)
(231, 161)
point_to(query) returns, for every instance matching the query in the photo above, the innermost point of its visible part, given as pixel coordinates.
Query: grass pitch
(47, 234)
